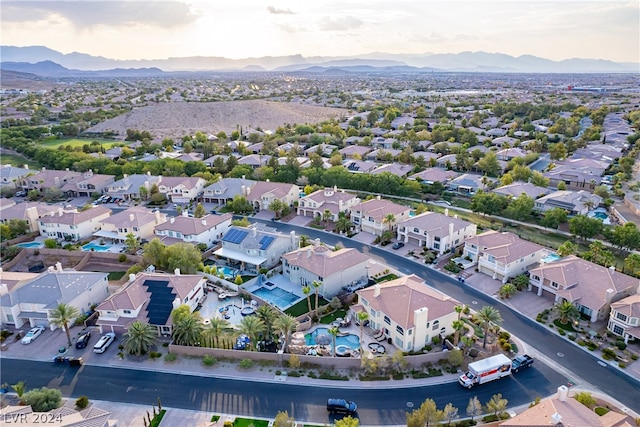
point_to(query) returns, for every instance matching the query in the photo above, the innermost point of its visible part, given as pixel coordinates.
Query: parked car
(32, 334)
(341, 406)
(21, 193)
(104, 342)
(71, 361)
(83, 340)
(398, 245)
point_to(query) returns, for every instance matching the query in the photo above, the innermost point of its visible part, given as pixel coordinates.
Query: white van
(104, 342)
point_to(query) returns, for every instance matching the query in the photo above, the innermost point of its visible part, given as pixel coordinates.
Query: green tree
(316, 286)
(20, 387)
(450, 413)
(268, 315)
(252, 327)
(488, 316)
(200, 211)
(507, 290)
(283, 419)
(489, 164)
(521, 282)
(188, 330)
(139, 338)
(474, 408)
(276, 206)
(455, 357)
(558, 151)
(240, 205)
(539, 180)
(343, 225)
(286, 325)
(389, 220)
(488, 203)
(626, 236)
(306, 290)
(61, 316)
(216, 329)
(43, 399)
(562, 186)
(585, 227)
(153, 253)
(362, 316)
(432, 415)
(585, 398)
(566, 311)
(520, 208)
(632, 264)
(554, 217)
(184, 256)
(131, 243)
(334, 331)
(347, 421)
(497, 404)
(567, 248)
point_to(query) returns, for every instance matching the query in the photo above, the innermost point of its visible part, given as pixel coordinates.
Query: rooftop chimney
(131, 217)
(308, 251)
(25, 166)
(204, 222)
(125, 175)
(176, 303)
(172, 220)
(563, 393)
(3, 289)
(376, 290)
(60, 211)
(185, 213)
(316, 242)
(176, 271)
(132, 277)
(58, 267)
(446, 211)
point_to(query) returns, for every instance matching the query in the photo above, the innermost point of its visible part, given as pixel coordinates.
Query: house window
(10, 318)
(135, 228)
(399, 343)
(436, 239)
(621, 316)
(400, 330)
(435, 326)
(410, 331)
(491, 258)
(374, 313)
(387, 320)
(416, 230)
(554, 285)
(436, 246)
(126, 311)
(618, 330)
(534, 277)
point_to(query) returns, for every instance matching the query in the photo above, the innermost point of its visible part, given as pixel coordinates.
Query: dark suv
(342, 406)
(83, 340)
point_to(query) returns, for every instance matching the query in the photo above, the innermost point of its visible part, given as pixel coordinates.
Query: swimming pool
(550, 258)
(94, 247)
(30, 245)
(277, 296)
(350, 340)
(600, 215)
(227, 272)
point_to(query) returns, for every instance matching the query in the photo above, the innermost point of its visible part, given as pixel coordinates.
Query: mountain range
(43, 61)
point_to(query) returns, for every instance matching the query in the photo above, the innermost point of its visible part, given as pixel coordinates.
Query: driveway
(300, 220)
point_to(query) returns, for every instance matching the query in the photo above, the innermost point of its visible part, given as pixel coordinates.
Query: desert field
(176, 120)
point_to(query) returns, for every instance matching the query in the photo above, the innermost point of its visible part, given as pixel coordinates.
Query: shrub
(572, 337)
(155, 354)
(585, 398)
(621, 345)
(608, 353)
(228, 424)
(506, 346)
(82, 402)
(215, 418)
(122, 258)
(600, 410)
(246, 363)
(43, 399)
(209, 360)
(170, 357)
(634, 356)
(562, 332)
(622, 365)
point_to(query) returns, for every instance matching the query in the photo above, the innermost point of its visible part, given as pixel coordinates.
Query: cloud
(276, 11)
(339, 24)
(85, 14)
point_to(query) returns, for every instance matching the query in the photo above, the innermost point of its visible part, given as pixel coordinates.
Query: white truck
(485, 370)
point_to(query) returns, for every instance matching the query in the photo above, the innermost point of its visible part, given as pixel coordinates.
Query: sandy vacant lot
(179, 119)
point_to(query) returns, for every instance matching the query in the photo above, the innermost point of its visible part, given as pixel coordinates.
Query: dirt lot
(176, 120)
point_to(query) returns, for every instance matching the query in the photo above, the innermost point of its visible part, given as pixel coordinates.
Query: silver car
(32, 334)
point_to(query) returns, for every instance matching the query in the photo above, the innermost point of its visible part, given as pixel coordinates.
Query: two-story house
(574, 202)
(31, 301)
(624, 319)
(129, 187)
(73, 225)
(264, 192)
(139, 221)
(503, 255)
(48, 179)
(150, 298)
(226, 189)
(590, 287)
(27, 211)
(332, 268)
(181, 189)
(435, 231)
(87, 184)
(208, 229)
(329, 199)
(11, 176)
(407, 311)
(373, 216)
(254, 248)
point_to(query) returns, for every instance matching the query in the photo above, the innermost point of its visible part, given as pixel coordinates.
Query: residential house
(87, 184)
(577, 174)
(361, 166)
(329, 199)
(516, 189)
(433, 175)
(383, 143)
(129, 187)
(139, 221)
(73, 225)
(574, 202)
(397, 169)
(503, 140)
(332, 268)
(469, 184)
(181, 189)
(435, 231)
(407, 311)
(325, 150)
(264, 192)
(11, 176)
(447, 161)
(208, 230)
(510, 154)
(592, 288)
(371, 215)
(386, 154)
(48, 179)
(32, 300)
(190, 157)
(255, 248)
(225, 189)
(563, 410)
(150, 298)
(624, 319)
(402, 122)
(254, 160)
(27, 211)
(503, 255)
(352, 151)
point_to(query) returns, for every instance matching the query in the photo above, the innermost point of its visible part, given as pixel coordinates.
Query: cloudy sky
(136, 29)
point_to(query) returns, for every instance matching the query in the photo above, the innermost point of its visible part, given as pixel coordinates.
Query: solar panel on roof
(235, 236)
(160, 302)
(265, 242)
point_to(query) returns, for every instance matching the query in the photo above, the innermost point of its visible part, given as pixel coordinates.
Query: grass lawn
(385, 278)
(76, 142)
(302, 307)
(116, 275)
(246, 422)
(333, 316)
(18, 161)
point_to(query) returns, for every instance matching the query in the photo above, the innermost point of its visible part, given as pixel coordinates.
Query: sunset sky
(133, 29)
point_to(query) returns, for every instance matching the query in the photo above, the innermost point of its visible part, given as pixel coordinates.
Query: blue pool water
(228, 272)
(277, 296)
(97, 248)
(600, 215)
(550, 258)
(30, 245)
(350, 340)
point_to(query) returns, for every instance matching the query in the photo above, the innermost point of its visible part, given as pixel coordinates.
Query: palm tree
(316, 285)
(216, 329)
(456, 324)
(334, 331)
(632, 264)
(286, 325)
(61, 316)
(362, 317)
(326, 215)
(268, 315)
(567, 311)
(488, 316)
(389, 219)
(304, 240)
(306, 290)
(139, 338)
(343, 225)
(188, 330)
(252, 327)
